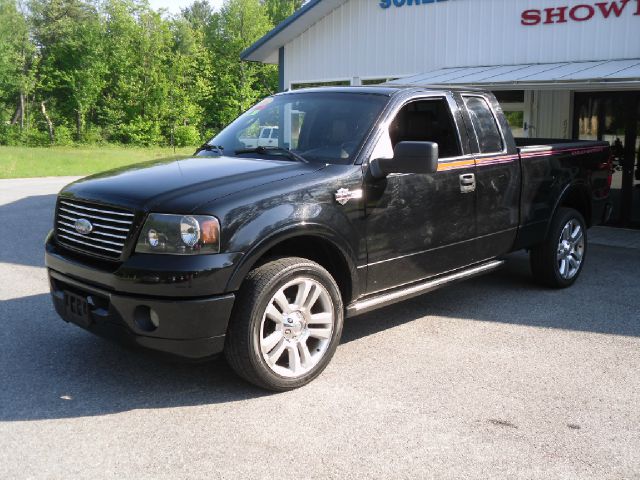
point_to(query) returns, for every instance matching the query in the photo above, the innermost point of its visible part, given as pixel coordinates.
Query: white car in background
(267, 137)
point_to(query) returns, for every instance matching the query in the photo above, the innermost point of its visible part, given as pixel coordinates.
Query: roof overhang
(600, 75)
(266, 49)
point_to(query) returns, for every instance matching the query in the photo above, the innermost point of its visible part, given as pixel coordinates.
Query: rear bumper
(189, 328)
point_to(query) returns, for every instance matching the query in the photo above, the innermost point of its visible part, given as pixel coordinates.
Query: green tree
(118, 70)
(238, 84)
(17, 63)
(278, 10)
(198, 14)
(71, 73)
(134, 103)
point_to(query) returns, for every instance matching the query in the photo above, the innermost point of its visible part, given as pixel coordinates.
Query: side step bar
(387, 298)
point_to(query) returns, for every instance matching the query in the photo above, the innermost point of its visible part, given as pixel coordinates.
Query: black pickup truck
(365, 196)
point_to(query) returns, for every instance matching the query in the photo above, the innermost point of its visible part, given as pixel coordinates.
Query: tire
(558, 260)
(268, 327)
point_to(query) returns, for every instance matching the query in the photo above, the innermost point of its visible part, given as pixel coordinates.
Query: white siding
(551, 114)
(360, 39)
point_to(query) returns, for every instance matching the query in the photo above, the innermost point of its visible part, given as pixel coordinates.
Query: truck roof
(382, 89)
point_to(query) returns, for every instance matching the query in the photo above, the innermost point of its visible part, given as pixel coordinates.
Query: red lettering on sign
(577, 13)
(590, 12)
(555, 15)
(614, 7)
(530, 17)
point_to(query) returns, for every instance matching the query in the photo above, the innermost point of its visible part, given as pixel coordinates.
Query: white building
(561, 68)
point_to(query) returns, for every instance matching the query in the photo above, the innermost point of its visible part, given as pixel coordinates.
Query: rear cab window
(484, 125)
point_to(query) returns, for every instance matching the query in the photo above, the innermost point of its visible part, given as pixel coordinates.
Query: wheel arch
(311, 241)
(576, 195)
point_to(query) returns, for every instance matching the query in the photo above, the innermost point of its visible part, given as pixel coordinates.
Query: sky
(174, 6)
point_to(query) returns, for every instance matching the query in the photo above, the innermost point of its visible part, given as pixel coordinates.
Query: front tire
(286, 324)
(558, 260)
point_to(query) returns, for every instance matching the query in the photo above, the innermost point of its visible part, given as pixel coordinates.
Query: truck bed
(528, 144)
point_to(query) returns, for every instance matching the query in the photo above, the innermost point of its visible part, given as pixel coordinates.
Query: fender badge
(343, 195)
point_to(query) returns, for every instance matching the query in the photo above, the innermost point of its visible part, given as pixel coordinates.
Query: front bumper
(192, 328)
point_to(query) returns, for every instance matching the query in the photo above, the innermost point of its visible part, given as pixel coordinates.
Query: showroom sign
(402, 3)
(581, 13)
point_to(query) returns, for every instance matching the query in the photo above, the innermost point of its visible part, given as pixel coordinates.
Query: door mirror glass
(408, 157)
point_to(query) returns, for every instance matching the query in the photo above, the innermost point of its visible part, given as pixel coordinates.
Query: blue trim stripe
(279, 28)
(281, 69)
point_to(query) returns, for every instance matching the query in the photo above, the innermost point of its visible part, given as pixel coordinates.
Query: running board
(388, 298)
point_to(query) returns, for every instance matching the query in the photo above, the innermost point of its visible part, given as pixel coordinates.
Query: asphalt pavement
(492, 378)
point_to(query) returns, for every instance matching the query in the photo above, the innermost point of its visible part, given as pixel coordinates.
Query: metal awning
(605, 74)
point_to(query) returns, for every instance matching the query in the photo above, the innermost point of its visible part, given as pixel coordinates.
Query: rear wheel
(286, 324)
(558, 261)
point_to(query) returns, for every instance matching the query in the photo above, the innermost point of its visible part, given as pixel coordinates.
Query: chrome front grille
(110, 228)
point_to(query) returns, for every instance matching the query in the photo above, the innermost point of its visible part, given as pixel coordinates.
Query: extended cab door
(497, 174)
(420, 225)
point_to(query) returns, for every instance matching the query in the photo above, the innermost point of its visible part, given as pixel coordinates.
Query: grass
(23, 162)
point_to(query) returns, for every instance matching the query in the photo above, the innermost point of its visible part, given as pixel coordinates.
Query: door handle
(467, 183)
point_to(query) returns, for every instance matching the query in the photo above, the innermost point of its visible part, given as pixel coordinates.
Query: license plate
(77, 309)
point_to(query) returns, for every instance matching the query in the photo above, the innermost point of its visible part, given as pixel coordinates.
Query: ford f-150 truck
(371, 195)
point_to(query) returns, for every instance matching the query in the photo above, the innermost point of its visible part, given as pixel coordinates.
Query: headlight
(179, 235)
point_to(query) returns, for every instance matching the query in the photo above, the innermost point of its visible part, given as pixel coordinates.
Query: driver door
(421, 225)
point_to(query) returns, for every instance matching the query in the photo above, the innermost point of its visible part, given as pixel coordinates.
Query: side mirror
(408, 157)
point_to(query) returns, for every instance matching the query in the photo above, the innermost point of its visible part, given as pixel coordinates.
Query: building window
(509, 96)
(515, 118)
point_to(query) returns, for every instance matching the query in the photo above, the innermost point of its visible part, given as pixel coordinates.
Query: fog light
(145, 318)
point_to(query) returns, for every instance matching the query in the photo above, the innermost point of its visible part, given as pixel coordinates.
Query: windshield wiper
(274, 151)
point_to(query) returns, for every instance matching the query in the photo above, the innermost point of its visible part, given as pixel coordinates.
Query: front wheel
(286, 324)
(558, 261)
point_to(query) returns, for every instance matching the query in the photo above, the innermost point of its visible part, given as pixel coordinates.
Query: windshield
(327, 127)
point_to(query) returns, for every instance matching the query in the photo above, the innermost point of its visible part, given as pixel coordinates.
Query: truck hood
(180, 186)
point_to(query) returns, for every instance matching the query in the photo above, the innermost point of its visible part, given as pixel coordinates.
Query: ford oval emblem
(83, 226)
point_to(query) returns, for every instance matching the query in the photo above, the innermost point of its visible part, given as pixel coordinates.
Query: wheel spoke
(573, 262)
(576, 235)
(271, 340)
(274, 314)
(324, 318)
(563, 267)
(312, 298)
(305, 354)
(303, 292)
(295, 364)
(282, 302)
(321, 333)
(275, 355)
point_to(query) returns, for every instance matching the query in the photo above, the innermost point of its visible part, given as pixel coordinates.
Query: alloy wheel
(570, 249)
(297, 327)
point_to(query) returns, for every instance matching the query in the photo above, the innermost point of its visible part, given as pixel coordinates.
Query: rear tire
(558, 260)
(286, 324)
